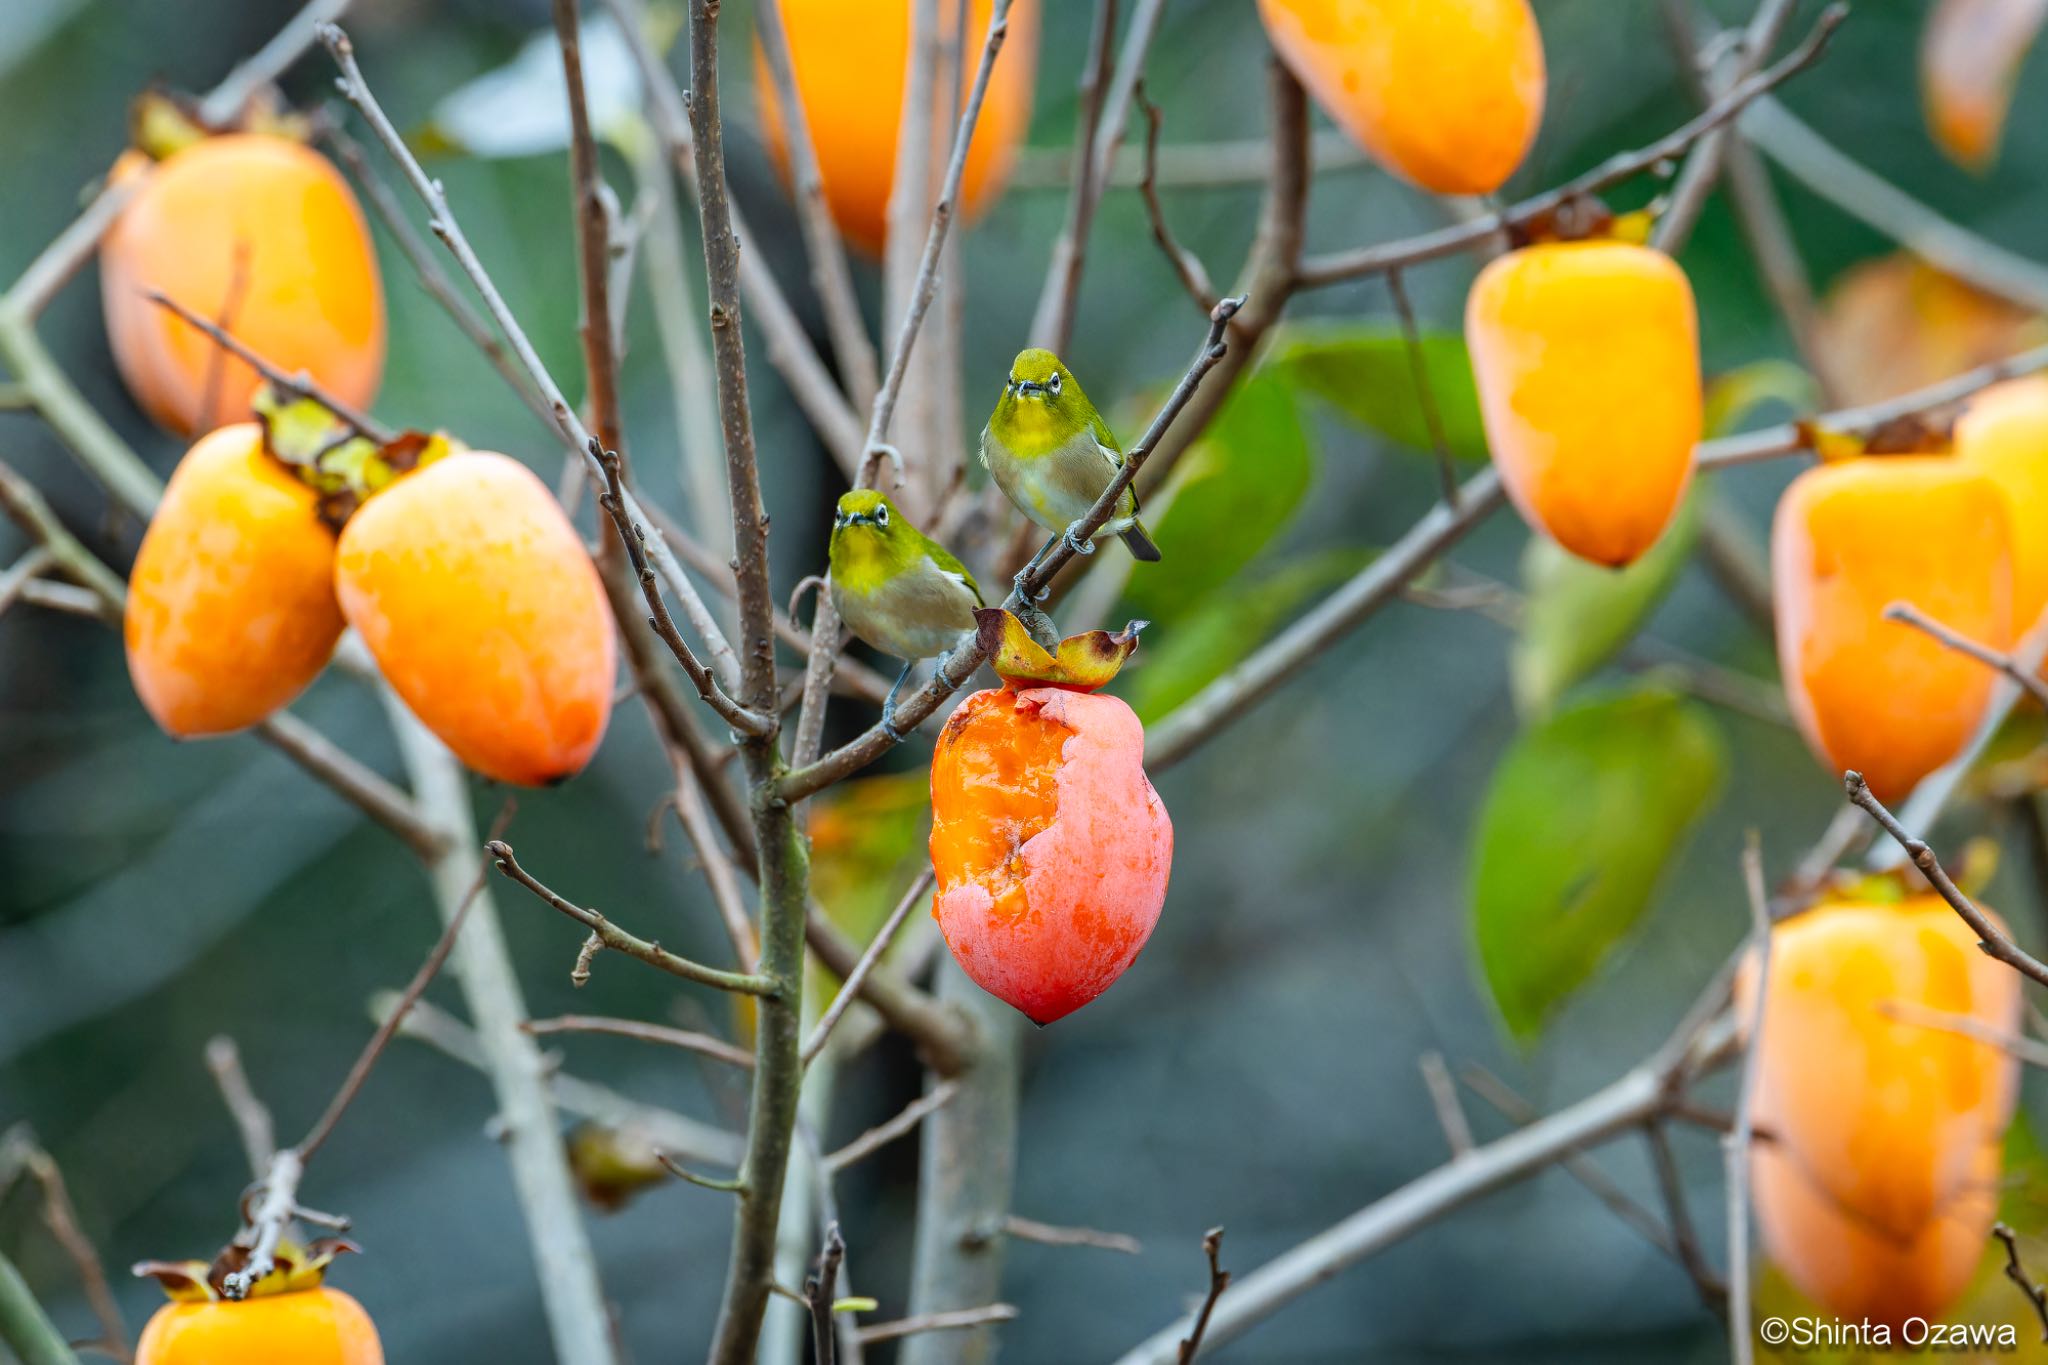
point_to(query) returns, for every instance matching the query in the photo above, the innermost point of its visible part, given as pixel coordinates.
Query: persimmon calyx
(163, 122)
(1082, 663)
(1586, 218)
(333, 458)
(1913, 434)
(295, 1268)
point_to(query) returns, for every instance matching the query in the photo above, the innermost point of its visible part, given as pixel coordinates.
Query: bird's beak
(1029, 386)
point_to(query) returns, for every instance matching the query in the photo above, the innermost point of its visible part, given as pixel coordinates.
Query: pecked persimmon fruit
(1876, 1190)
(1586, 356)
(2003, 434)
(1447, 94)
(1051, 848)
(262, 235)
(850, 77)
(1848, 540)
(319, 1326)
(485, 614)
(231, 609)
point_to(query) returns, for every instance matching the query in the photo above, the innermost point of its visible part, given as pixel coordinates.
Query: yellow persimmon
(261, 234)
(850, 66)
(1586, 356)
(231, 609)
(1445, 93)
(1851, 538)
(2004, 435)
(1876, 1187)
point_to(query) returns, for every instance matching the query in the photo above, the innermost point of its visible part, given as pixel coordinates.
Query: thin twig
(1052, 1235)
(882, 1134)
(850, 989)
(819, 1290)
(1685, 1242)
(1425, 395)
(300, 385)
(2029, 679)
(2025, 1050)
(1991, 938)
(251, 1115)
(1187, 267)
(60, 1216)
(593, 238)
(1735, 1146)
(953, 1320)
(1219, 1280)
(2017, 1273)
(1704, 163)
(690, 1041)
(1061, 293)
(1443, 1098)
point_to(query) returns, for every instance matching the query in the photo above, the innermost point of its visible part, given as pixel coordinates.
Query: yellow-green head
(873, 543)
(1043, 407)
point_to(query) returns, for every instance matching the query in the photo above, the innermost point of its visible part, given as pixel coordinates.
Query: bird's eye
(1053, 384)
(881, 516)
(839, 518)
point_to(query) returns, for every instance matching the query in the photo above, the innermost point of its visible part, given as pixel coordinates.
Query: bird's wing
(1106, 443)
(944, 558)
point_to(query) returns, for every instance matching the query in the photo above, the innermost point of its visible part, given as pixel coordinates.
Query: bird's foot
(889, 728)
(1079, 547)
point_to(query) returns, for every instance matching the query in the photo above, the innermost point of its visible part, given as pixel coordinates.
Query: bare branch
(1048, 1234)
(1685, 1242)
(593, 238)
(619, 941)
(701, 1043)
(2017, 1273)
(943, 1038)
(954, 1320)
(300, 385)
(1443, 1098)
(270, 61)
(1219, 1280)
(850, 989)
(1062, 291)
(819, 1289)
(904, 1123)
(20, 1150)
(1425, 396)
(252, 1117)
(1187, 266)
(1703, 164)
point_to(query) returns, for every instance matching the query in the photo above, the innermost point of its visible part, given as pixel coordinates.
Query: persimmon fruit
(319, 1326)
(1876, 1189)
(1447, 94)
(485, 614)
(231, 609)
(261, 234)
(1051, 849)
(850, 77)
(1849, 539)
(1586, 357)
(2003, 434)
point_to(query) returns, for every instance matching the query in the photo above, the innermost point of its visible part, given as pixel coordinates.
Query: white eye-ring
(881, 516)
(1053, 384)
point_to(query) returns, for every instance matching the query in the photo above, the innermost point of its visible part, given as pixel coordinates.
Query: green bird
(896, 588)
(1052, 454)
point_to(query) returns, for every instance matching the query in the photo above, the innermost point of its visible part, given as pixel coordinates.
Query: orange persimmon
(485, 614)
(1445, 93)
(317, 1326)
(231, 609)
(1586, 356)
(262, 235)
(1848, 540)
(1051, 848)
(850, 71)
(1876, 1190)
(2003, 434)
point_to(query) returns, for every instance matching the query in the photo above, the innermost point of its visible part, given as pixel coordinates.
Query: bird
(896, 588)
(1052, 455)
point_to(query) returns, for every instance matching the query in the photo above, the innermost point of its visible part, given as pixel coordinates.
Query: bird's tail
(1140, 544)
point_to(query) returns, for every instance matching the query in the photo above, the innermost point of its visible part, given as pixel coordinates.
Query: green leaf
(1365, 372)
(1579, 614)
(1583, 814)
(1175, 664)
(1236, 488)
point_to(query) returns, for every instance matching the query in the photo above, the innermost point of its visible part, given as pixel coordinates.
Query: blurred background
(1257, 1068)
